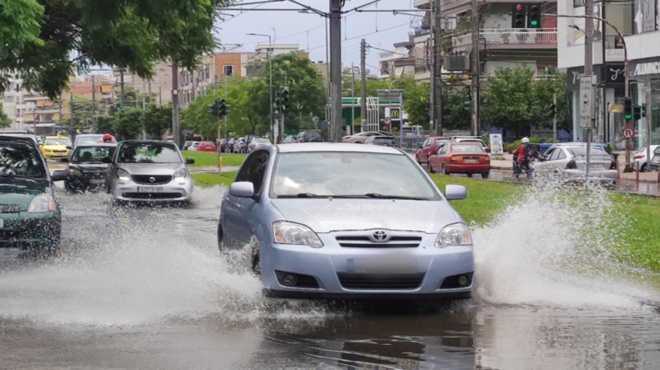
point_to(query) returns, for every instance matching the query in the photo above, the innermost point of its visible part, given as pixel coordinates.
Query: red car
(465, 157)
(429, 147)
(207, 146)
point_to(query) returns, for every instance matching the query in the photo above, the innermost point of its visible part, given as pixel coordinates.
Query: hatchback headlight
(123, 174)
(182, 172)
(292, 233)
(453, 235)
(42, 203)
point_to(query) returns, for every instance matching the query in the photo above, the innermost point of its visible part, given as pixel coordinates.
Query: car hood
(20, 191)
(151, 168)
(324, 215)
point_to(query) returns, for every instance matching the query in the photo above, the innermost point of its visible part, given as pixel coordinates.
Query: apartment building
(633, 27)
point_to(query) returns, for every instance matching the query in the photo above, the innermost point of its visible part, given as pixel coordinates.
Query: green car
(30, 216)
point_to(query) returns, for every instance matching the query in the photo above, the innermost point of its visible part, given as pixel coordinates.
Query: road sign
(184, 132)
(387, 120)
(587, 95)
(315, 119)
(628, 132)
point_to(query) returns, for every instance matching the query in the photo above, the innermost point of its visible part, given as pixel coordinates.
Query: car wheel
(430, 167)
(469, 175)
(485, 175)
(444, 170)
(256, 262)
(643, 169)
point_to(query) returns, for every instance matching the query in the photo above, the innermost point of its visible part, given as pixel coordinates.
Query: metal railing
(509, 36)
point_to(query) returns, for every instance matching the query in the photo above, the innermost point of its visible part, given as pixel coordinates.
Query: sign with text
(587, 95)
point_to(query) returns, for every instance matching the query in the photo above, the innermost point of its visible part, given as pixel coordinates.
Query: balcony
(509, 38)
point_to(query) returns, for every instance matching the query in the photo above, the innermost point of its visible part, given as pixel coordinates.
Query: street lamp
(270, 75)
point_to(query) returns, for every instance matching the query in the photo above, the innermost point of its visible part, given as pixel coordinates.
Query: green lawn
(211, 158)
(630, 229)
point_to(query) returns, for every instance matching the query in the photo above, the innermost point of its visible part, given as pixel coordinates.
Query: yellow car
(56, 147)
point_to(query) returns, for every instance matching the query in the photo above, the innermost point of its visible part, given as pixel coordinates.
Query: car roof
(96, 145)
(17, 137)
(337, 147)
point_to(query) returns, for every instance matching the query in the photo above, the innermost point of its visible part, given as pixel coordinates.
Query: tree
(105, 124)
(127, 124)
(157, 120)
(5, 121)
(46, 40)
(510, 100)
(455, 115)
(544, 89)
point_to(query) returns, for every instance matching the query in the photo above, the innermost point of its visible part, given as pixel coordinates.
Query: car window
(254, 169)
(554, 155)
(148, 153)
(92, 154)
(442, 149)
(58, 141)
(20, 160)
(353, 174)
(427, 142)
(468, 148)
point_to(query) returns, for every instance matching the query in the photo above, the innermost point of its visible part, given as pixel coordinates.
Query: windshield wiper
(382, 196)
(303, 195)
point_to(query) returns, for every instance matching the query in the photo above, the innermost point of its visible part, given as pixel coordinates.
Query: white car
(257, 142)
(640, 161)
(567, 163)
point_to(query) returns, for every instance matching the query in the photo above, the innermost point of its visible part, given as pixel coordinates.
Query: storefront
(645, 88)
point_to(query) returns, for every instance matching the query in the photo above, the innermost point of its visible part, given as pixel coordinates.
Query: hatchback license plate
(150, 189)
(384, 266)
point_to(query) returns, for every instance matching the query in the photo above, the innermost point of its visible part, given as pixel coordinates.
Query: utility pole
(363, 86)
(335, 67)
(121, 87)
(175, 103)
(352, 96)
(93, 101)
(437, 66)
(475, 68)
(554, 118)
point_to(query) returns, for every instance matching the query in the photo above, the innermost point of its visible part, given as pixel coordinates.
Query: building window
(228, 70)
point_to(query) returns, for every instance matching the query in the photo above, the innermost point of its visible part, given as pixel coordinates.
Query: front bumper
(29, 230)
(56, 154)
(177, 190)
(468, 168)
(332, 272)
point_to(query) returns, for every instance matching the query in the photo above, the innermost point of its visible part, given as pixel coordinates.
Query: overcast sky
(380, 30)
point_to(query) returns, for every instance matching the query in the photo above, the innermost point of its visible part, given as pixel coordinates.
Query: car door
(424, 151)
(237, 215)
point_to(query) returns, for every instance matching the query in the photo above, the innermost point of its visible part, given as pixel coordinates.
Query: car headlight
(291, 233)
(42, 203)
(123, 174)
(182, 172)
(453, 235)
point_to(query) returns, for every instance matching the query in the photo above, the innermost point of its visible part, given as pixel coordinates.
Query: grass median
(211, 158)
(639, 246)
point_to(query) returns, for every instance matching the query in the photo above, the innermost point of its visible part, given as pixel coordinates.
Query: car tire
(644, 168)
(444, 170)
(485, 175)
(469, 175)
(256, 262)
(430, 167)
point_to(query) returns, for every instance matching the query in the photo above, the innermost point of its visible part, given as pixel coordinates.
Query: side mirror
(190, 161)
(455, 192)
(244, 189)
(59, 175)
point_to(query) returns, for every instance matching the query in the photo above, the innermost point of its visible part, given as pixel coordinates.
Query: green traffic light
(628, 116)
(534, 23)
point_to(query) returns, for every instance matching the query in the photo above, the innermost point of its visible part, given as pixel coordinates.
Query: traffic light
(534, 16)
(518, 16)
(637, 112)
(284, 99)
(212, 109)
(627, 109)
(468, 106)
(553, 110)
(222, 107)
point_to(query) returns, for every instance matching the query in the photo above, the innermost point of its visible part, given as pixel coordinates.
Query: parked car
(429, 147)
(87, 171)
(30, 214)
(239, 146)
(360, 137)
(289, 139)
(380, 140)
(207, 146)
(56, 147)
(639, 160)
(309, 136)
(567, 163)
(460, 157)
(222, 144)
(257, 142)
(655, 160)
(186, 144)
(471, 139)
(149, 171)
(314, 233)
(194, 146)
(229, 148)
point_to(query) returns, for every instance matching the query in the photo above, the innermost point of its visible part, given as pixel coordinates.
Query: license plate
(471, 161)
(150, 189)
(97, 181)
(383, 266)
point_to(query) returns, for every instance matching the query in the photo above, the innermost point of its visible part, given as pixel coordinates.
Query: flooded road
(145, 288)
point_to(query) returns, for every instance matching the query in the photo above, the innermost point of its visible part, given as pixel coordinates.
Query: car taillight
(484, 159)
(571, 165)
(613, 165)
(456, 158)
(639, 156)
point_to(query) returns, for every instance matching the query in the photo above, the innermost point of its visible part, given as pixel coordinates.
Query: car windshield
(58, 141)
(20, 160)
(148, 153)
(596, 151)
(92, 154)
(467, 148)
(88, 139)
(354, 174)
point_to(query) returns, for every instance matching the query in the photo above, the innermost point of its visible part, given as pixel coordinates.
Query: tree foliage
(47, 40)
(5, 121)
(157, 120)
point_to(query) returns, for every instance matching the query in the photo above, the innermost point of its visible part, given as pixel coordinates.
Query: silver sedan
(567, 163)
(329, 220)
(149, 171)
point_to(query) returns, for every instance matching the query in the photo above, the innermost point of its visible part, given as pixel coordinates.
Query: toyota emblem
(379, 235)
(152, 179)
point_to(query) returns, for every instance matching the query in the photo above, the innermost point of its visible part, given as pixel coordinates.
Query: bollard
(219, 163)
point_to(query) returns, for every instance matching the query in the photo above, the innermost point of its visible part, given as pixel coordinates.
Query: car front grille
(367, 241)
(146, 179)
(154, 196)
(380, 281)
